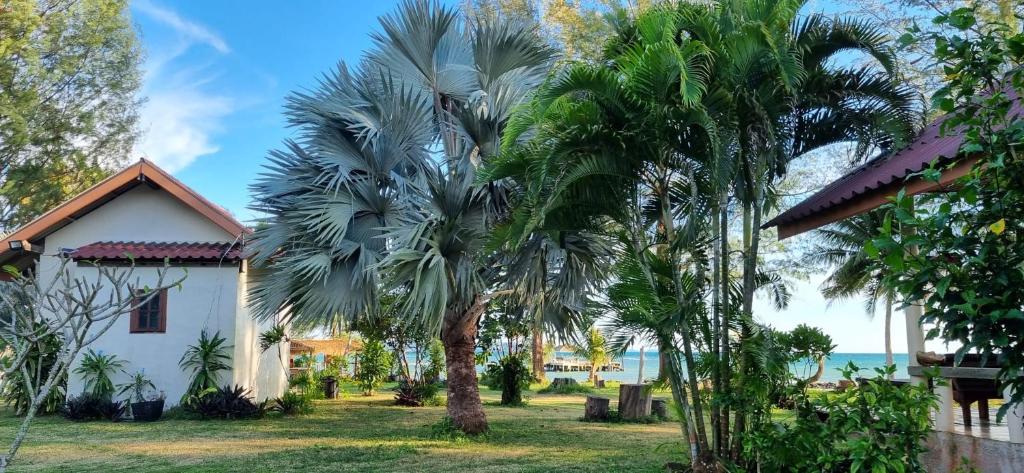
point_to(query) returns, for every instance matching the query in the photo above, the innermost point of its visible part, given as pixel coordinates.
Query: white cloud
(178, 124)
(193, 32)
(181, 115)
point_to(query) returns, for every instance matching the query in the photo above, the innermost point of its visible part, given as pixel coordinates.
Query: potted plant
(143, 409)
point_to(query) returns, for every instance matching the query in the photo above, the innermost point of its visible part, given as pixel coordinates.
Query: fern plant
(205, 361)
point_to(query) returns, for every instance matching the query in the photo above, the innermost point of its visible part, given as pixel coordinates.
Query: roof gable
(143, 172)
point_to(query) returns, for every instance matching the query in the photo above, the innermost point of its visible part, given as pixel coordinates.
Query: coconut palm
(689, 122)
(854, 276)
(593, 348)
(381, 192)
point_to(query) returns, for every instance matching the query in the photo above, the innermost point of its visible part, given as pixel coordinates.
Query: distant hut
(322, 351)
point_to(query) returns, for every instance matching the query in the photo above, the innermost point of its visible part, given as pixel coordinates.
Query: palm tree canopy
(841, 246)
(380, 191)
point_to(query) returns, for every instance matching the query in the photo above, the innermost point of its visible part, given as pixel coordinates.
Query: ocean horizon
(867, 362)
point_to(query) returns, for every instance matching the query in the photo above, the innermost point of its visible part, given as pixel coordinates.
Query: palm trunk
(538, 355)
(725, 369)
(459, 339)
(663, 363)
(679, 396)
(751, 241)
(698, 413)
(888, 331)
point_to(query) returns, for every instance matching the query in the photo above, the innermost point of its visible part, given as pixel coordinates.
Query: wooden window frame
(161, 326)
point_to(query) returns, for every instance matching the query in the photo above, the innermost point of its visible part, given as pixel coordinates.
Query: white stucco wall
(211, 297)
(206, 300)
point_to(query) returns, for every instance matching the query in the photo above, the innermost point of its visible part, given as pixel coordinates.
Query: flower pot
(147, 411)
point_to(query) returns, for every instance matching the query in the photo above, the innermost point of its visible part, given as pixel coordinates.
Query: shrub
(415, 393)
(205, 360)
(878, 426)
(435, 361)
(292, 403)
(566, 389)
(96, 370)
(227, 403)
(137, 387)
(374, 366)
(88, 406)
(511, 376)
(42, 355)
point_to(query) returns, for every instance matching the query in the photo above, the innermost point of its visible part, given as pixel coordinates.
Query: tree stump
(599, 384)
(634, 401)
(563, 382)
(596, 408)
(659, 407)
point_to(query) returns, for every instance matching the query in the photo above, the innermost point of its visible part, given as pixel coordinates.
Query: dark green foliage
(13, 387)
(435, 361)
(272, 337)
(510, 375)
(374, 365)
(205, 360)
(615, 418)
(879, 426)
(137, 387)
(88, 406)
(69, 100)
(515, 377)
(415, 393)
(228, 403)
(292, 403)
(969, 240)
(566, 389)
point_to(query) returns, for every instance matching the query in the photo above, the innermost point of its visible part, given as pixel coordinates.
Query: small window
(150, 317)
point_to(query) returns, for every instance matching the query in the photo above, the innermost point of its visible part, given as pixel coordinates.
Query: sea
(867, 362)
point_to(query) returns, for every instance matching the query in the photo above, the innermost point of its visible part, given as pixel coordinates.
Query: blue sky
(216, 78)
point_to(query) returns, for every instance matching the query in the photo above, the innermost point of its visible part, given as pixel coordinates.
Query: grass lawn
(358, 434)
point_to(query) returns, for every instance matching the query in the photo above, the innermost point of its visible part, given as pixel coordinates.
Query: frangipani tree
(75, 306)
(381, 192)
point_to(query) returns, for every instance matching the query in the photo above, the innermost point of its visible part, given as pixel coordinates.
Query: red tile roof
(175, 251)
(885, 173)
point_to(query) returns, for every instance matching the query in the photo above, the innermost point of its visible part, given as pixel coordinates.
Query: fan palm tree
(381, 192)
(689, 121)
(853, 275)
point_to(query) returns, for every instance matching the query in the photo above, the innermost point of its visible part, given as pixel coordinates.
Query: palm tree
(854, 275)
(381, 192)
(593, 348)
(688, 123)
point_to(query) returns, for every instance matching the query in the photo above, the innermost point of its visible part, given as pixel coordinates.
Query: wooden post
(596, 408)
(634, 401)
(640, 372)
(659, 408)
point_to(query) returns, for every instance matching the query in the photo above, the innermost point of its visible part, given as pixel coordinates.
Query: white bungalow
(146, 213)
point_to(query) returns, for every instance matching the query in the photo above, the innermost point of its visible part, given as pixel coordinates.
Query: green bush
(205, 360)
(292, 403)
(374, 366)
(415, 393)
(96, 370)
(227, 403)
(41, 358)
(89, 406)
(435, 361)
(879, 426)
(566, 389)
